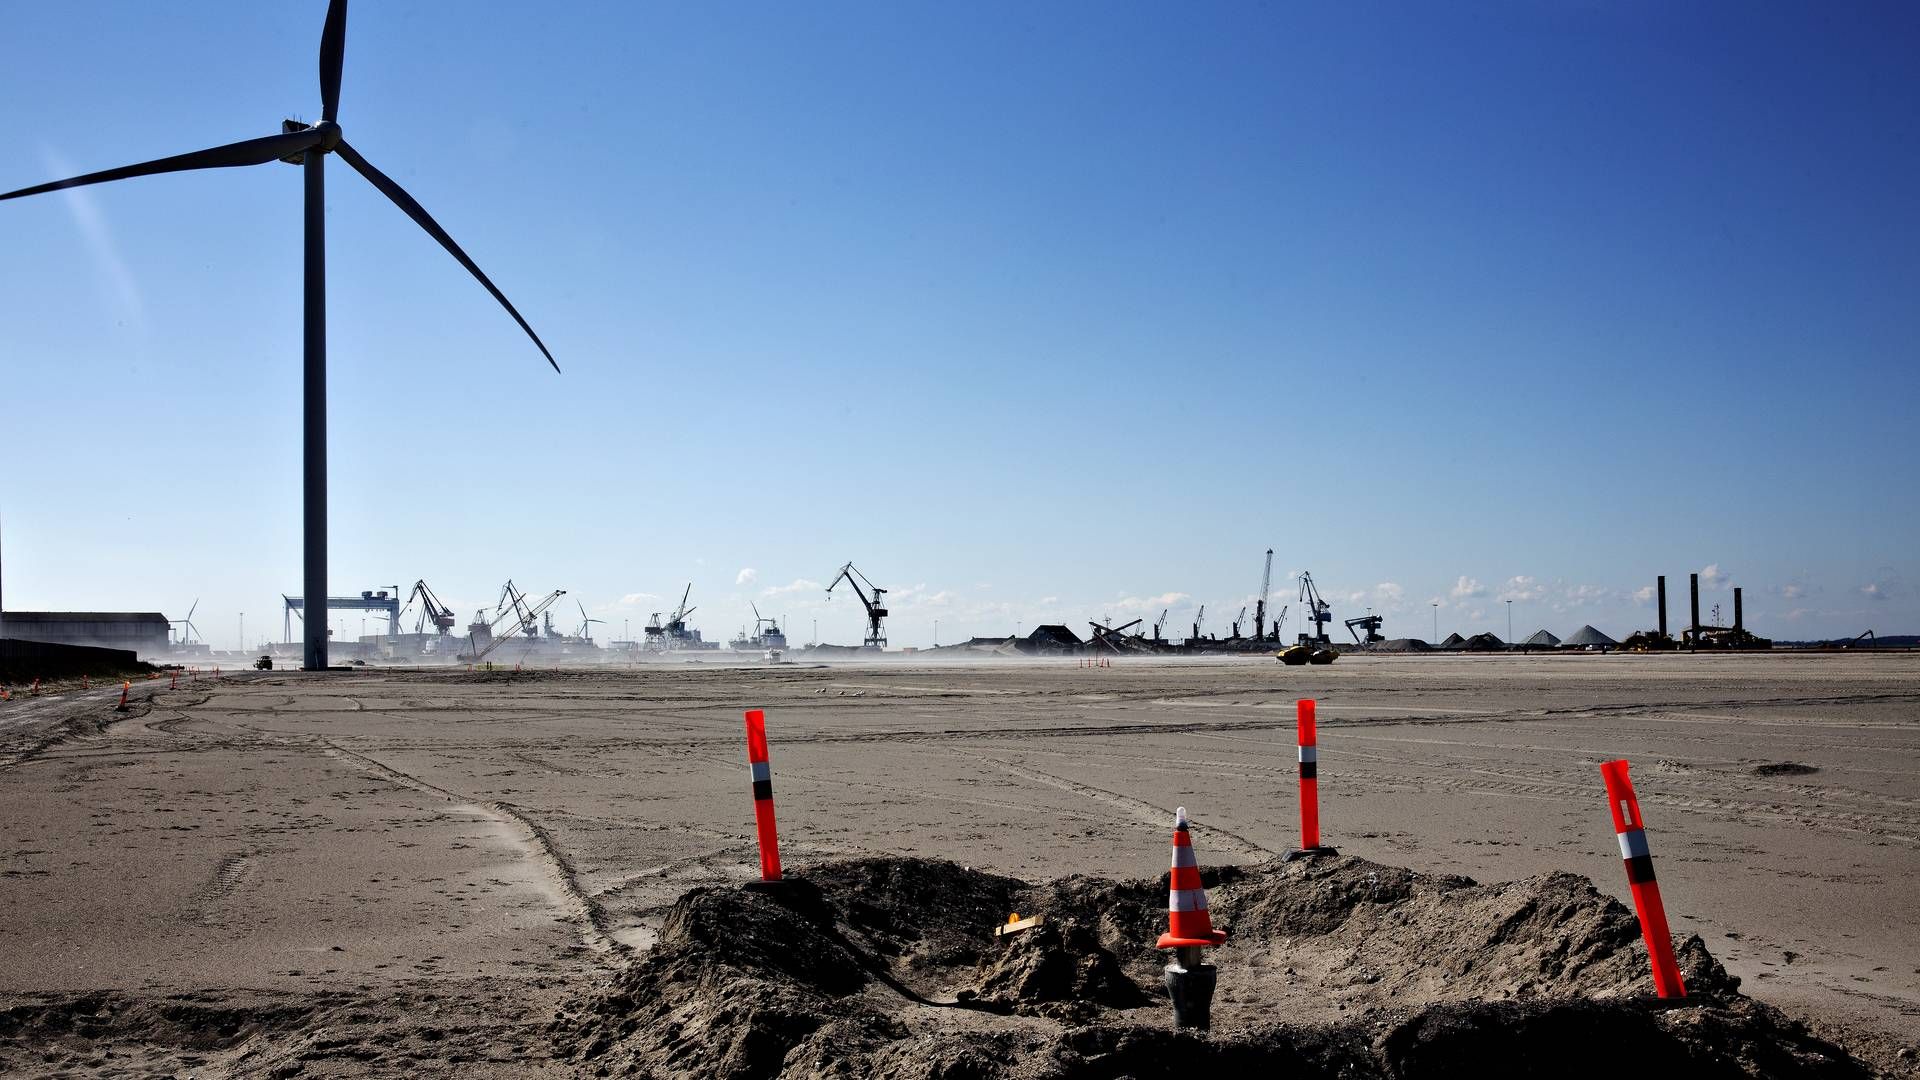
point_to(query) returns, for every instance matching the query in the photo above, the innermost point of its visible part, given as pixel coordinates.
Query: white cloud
(1883, 589)
(1713, 577)
(1467, 587)
(1644, 594)
(940, 599)
(636, 599)
(1389, 593)
(795, 586)
(1792, 590)
(747, 576)
(1522, 588)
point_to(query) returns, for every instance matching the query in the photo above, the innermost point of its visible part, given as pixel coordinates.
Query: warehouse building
(144, 633)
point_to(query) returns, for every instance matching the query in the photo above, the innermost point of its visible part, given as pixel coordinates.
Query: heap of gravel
(1334, 967)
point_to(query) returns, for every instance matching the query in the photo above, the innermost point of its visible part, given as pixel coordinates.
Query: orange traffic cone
(1189, 925)
(124, 687)
(35, 688)
(5, 694)
(174, 682)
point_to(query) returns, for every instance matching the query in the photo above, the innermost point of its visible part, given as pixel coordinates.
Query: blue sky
(1035, 312)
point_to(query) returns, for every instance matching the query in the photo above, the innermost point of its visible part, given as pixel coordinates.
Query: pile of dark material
(1335, 968)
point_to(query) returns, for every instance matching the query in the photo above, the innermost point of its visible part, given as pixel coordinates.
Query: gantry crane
(876, 606)
(1260, 605)
(1319, 613)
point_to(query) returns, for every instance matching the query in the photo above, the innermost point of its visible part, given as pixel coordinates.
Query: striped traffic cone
(1631, 832)
(1189, 980)
(124, 687)
(1188, 924)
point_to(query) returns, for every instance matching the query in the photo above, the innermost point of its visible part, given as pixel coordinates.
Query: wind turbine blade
(425, 220)
(333, 55)
(251, 152)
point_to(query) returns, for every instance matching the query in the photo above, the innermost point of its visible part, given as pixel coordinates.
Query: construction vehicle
(876, 604)
(265, 663)
(1371, 624)
(1260, 604)
(1318, 612)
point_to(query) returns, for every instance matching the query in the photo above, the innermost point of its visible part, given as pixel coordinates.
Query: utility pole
(243, 631)
(1436, 622)
(936, 633)
(1509, 622)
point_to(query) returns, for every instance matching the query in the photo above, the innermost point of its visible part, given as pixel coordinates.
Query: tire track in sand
(583, 908)
(1137, 809)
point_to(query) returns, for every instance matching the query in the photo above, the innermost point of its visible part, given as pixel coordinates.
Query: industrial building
(145, 633)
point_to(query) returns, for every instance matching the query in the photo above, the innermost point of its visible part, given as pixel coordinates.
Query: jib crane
(876, 605)
(1199, 617)
(1239, 619)
(1319, 612)
(431, 610)
(1371, 624)
(1260, 605)
(1160, 623)
(513, 605)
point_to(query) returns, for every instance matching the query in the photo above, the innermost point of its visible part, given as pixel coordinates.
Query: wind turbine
(187, 629)
(308, 147)
(586, 624)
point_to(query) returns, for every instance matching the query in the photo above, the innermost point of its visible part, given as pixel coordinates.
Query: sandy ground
(438, 858)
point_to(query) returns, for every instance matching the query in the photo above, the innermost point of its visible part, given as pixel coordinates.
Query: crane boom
(1260, 605)
(531, 616)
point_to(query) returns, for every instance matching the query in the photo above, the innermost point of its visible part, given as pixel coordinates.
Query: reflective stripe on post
(1309, 777)
(762, 772)
(1630, 830)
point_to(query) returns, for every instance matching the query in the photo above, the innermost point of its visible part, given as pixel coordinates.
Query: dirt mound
(1785, 768)
(1334, 967)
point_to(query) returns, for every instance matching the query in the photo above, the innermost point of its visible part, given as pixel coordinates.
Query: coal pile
(1335, 967)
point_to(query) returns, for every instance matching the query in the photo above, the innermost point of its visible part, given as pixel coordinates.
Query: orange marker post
(1309, 740)
(1627, 825)
(124, 687)
(762, 771)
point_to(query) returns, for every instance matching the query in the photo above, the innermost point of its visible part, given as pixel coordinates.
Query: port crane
(431, 610)
(876, 605)
(1260, 605)
(1318, 612)
(1237, 620)
(1160, 623)
(513, 606)
(1371, 624)
(1199, 617)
